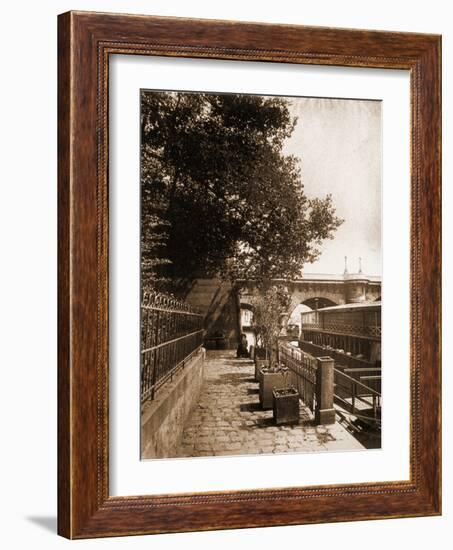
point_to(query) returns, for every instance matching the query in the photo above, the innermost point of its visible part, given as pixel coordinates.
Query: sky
(338, 142)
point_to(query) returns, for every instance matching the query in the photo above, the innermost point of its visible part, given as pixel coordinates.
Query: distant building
(353, 329)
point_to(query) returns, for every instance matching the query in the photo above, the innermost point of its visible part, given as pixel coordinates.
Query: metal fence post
(156, 352)
(324, 412)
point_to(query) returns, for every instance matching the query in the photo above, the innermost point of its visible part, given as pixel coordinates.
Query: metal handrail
(169, 310)
(357, 382)
(171, 341)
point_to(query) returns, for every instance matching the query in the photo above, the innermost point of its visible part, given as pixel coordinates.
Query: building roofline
(362, 305)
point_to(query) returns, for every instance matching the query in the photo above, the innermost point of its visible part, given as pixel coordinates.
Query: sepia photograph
(237, 199)
(261, 274)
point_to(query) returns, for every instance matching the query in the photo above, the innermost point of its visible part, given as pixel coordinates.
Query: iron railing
(358, 398)
(356, 390)
(353, 321)
(343, 328)
(301, 374)
(171, 332)
(340, 358)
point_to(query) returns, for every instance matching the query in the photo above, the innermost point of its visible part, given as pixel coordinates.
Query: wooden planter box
(259, 364)
(268, 381)
(286, 406)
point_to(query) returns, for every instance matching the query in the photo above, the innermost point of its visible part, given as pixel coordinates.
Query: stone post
(324, 413)
(252, 352)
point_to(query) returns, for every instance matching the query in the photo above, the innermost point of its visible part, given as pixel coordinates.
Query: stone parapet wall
(163, 419)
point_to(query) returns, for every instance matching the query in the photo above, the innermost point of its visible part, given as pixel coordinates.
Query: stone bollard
(324, 413)
(252, 352)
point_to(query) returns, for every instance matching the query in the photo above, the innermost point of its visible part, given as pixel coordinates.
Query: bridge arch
(312, 303)
(317, 291)
(319, 302)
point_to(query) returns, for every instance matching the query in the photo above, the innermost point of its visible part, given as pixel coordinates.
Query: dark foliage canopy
(219, 196)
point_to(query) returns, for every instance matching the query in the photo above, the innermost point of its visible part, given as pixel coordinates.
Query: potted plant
(271, 377)
(269, 305)
(285, 403)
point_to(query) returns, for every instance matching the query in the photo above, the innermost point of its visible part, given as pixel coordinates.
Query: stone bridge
(225, 309)
(321, 290)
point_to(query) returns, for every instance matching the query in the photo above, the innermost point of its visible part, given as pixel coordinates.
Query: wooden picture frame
(85, 42)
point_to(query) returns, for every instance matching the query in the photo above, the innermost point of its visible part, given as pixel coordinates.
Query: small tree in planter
(286, 403)
(269, 305)
(260, 358)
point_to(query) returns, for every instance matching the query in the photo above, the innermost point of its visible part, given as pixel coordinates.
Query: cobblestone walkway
(228, 419)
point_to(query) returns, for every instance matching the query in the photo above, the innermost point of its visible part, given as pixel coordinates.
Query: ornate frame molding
(86, 40)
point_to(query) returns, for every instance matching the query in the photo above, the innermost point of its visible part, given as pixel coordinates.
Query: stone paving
(228, 419)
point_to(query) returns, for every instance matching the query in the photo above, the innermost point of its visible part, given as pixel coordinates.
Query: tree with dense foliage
(219, 196)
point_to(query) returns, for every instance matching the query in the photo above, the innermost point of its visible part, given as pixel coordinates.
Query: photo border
(85, 41)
